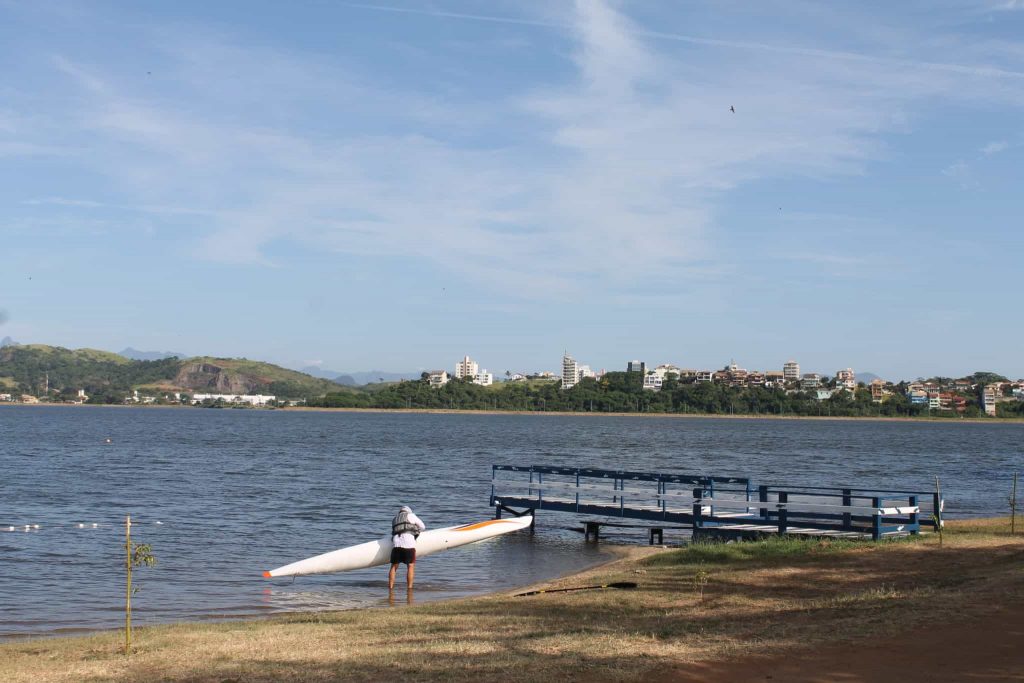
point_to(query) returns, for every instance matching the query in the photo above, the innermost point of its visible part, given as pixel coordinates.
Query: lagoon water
(239, 491)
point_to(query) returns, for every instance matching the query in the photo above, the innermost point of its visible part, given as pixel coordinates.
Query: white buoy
(159, 522)
(35, 526)
(109, 441)
(94, 525)
(81, 526)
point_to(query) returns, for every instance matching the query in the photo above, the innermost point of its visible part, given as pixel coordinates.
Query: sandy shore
(786, 610)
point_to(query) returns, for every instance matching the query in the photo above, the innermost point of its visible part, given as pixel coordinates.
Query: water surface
(240, 491)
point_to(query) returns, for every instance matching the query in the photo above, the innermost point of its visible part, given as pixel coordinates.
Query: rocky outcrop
(214, 379)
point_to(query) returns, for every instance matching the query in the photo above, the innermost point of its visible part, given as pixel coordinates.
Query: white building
(989, 397)
(791, 371)
(250, 399)
(483, 378)
(570, 372)
(653, 381)
(585, 371)
(704, 376)
(437, 378)
(467, 367)
(665, 370)
(846, 379)
(811, 380)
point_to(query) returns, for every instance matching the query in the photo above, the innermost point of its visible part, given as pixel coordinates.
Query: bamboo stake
(938, 512)
(128, 584)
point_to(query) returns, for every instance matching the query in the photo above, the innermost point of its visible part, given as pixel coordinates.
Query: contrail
(972, 70)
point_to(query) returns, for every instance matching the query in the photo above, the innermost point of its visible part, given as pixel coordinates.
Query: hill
(108, 377)
(243, 376)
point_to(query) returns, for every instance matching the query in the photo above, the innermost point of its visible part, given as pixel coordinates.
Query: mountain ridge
(36, 368)
(135, 354)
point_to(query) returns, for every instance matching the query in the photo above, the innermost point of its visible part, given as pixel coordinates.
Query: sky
(392, 185)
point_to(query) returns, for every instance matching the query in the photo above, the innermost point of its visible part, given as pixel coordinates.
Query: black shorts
(403, 555)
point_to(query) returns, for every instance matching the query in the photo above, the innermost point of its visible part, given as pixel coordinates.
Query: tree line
(623, 392)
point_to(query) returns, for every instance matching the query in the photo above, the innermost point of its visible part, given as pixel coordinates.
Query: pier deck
(723, 507)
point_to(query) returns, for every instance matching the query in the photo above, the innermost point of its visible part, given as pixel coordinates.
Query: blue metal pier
(724, 507)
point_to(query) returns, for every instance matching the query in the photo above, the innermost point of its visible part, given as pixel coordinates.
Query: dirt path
(985, 651)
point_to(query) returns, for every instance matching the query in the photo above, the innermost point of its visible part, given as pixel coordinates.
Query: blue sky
(394, 185)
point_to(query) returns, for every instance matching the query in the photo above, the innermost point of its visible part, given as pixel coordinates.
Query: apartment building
(877, 388)
(791, 371)
(467, 367)
(989, 398)
(570, 372)
(846, 379)
(636, 366)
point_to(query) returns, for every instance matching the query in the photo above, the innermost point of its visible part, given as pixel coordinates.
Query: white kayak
(378, 552)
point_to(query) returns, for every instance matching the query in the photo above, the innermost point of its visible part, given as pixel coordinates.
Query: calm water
(238, 492)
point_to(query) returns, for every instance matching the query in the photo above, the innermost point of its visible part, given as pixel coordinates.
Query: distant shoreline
(554, 413)
(715, 416)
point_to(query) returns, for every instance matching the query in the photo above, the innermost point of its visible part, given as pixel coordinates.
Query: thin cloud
(995, 147)
(630, 153)
(967, 69)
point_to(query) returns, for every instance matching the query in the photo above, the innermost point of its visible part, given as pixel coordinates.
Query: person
(405, 527)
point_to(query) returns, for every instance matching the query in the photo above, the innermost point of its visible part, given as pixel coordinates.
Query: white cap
(406, 508)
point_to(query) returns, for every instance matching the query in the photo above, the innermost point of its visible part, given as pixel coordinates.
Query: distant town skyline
(363, 186)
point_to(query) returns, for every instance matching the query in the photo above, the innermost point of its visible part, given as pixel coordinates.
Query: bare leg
(409, 574)
(391, 577)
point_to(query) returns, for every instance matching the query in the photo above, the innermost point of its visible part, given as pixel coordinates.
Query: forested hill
(108, 377)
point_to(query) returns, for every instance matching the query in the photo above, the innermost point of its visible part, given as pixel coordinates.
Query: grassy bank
(781, 595)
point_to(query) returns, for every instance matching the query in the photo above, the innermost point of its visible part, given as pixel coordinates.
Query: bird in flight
(732, 109)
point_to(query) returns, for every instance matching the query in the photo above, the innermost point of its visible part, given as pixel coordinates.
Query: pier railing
(720, 505)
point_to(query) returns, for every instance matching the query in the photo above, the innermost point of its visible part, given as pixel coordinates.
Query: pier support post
(915, 521)
(847, 517)
(659, 533)
(783, 513)
(592, 530)
(876, 520)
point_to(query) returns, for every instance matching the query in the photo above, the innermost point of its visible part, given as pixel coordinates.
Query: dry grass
(779, 595)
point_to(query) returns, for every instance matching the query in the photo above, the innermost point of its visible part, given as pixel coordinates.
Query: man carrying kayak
(405, 527)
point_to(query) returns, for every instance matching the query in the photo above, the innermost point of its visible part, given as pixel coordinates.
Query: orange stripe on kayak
(480, 525)
(266, 575)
